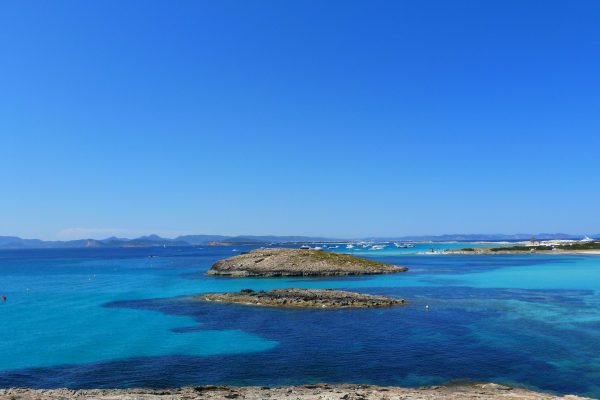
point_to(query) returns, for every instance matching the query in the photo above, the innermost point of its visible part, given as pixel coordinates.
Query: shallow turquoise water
(118, 317)
(56, 316)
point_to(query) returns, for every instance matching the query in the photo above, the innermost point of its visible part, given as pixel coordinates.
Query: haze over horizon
(336, 119)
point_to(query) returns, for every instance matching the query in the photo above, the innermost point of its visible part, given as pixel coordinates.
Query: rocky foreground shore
(481, 391)
(298, 262)
(303, 298)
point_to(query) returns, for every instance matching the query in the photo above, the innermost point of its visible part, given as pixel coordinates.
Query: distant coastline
(15, 242)
(585, 246)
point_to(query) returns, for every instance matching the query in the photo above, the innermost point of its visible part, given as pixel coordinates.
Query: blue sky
(298, 117)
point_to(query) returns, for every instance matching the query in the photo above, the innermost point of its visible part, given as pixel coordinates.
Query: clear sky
(340, 118)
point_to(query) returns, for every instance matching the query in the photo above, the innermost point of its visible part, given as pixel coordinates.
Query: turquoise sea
(124, 317)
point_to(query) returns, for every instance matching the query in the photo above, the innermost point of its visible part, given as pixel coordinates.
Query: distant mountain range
(14, 242)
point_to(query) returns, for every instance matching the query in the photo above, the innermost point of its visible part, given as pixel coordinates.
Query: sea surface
(88, 318)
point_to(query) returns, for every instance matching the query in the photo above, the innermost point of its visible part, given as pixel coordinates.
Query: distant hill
(14, 242)
(202, 239)
(276, 239)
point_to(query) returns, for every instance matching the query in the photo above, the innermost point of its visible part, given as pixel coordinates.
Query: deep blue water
(119, 318)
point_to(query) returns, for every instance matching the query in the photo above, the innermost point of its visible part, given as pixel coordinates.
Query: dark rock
(309, 298)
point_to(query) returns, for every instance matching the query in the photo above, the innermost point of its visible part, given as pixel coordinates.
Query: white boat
(378, 247)
(350, 246)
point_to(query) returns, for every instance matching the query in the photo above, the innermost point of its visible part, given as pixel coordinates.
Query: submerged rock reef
(298, 262)
(304, 298)
(480, 391)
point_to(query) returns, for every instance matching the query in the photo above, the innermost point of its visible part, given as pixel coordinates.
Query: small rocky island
(303, 298)
(298, 262)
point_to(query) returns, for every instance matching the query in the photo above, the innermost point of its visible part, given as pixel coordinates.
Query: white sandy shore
(524, 253)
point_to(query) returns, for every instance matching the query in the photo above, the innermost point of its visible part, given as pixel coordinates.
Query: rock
(298, 262)
(304, 298)
(311, 392)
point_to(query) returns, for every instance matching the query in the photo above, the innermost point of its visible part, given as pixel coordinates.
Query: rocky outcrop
(305, 298)
(298, 262)
(480, 391)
